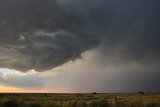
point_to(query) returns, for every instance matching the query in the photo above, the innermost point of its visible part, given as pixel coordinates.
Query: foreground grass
(80, 100)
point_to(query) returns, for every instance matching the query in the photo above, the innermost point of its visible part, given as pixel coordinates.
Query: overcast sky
(79, 46)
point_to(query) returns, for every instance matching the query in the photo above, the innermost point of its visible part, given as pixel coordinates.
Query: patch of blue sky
(6, 71)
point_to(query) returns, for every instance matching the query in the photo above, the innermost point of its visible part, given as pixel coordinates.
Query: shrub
(94, 93)
(50, 104)
(82, 104)
(11, 103)
(152, 105)
(35, 105)
(99, 103)
(137, 104)
(121, 104)
(72, 104)
(140, 92)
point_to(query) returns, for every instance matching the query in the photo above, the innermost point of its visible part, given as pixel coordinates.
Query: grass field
(79, 100)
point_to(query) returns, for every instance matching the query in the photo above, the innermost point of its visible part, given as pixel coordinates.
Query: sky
(59, 46)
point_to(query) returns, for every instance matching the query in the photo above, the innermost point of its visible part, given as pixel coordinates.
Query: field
(79, 100)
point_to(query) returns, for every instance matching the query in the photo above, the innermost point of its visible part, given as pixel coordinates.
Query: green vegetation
(80, 100)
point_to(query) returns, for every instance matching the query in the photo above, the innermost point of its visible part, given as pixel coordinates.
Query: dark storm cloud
(135, 30)
(42, 34)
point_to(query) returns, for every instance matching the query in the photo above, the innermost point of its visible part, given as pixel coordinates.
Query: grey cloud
(115, 76)
(90, 74)
(136, 29)
(42, 35)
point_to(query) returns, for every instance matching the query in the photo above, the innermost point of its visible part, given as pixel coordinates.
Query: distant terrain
(80, 100)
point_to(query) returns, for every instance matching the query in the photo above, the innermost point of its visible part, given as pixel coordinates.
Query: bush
(99, 103)
(140, 92)
(50, 104)
(121, 104)
(11, 103)
(72, 104)
(82, 104)
(35, 105)
(152, 105)
(94, 93)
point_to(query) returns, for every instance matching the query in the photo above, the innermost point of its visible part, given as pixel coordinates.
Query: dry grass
(80, 100)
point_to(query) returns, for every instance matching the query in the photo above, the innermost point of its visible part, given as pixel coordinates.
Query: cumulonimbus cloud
(40, 35)
(44, 34)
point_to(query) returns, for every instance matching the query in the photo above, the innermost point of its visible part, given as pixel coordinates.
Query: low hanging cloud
(39, 35)
(42, 35)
